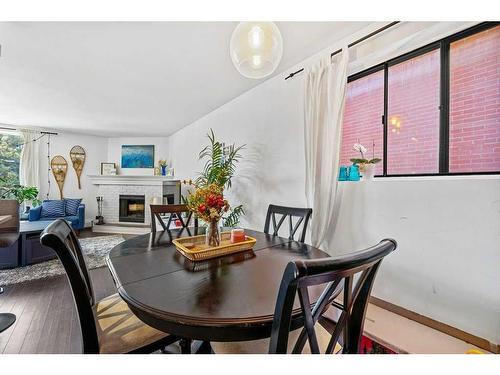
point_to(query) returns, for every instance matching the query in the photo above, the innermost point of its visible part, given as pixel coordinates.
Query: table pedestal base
(6, 320)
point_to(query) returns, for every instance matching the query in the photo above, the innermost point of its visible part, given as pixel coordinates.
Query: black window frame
(443, 45)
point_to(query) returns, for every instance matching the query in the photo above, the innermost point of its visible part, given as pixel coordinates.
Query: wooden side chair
(175, 211)
(303, 215)
(354, 272)
(108, 326)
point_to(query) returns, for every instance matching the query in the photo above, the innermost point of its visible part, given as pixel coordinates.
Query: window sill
(440, 177)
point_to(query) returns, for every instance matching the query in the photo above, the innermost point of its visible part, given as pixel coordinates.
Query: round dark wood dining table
(231, 298)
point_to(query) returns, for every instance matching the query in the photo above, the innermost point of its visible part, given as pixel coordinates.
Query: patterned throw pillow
(53, 208)
(72, 206)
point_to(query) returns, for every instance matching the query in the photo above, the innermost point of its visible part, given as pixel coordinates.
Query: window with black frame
(433, 111)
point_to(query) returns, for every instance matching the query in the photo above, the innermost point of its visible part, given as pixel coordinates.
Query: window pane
(364, 108)
(10, 152)
(413, 116)
(475, 103)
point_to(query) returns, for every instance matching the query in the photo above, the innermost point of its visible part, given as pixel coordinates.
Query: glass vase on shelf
(212, 235)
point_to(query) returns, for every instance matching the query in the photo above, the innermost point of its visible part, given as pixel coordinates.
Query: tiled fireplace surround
(111, 187)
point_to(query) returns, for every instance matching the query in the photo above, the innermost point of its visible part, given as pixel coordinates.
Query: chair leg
(185, 345)
(202, 347)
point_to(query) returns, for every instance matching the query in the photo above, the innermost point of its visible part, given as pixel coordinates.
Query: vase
(369, 172)
(212, 236)
(163, 170)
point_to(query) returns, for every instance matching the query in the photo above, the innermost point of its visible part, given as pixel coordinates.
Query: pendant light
(256, 48)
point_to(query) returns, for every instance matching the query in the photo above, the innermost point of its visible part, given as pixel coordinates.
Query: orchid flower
(360, 148)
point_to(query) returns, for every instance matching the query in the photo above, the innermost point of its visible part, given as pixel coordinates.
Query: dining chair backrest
(302, 214)
(175, 211)
(335, 273)
(9, 229)
(62, 239)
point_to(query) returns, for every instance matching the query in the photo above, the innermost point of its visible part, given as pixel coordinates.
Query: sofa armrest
(81, 216)
(34, 213)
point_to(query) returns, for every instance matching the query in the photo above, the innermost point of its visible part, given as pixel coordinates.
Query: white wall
(114, 152)
(448, 233)
(448, 229)
(96, 152)
(267, 120)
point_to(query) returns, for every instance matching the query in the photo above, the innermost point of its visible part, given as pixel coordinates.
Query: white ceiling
(132, 78)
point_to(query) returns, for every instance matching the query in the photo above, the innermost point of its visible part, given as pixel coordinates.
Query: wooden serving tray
(200, 251)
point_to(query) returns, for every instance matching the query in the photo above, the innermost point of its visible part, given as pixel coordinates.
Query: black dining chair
(302, 214)
(174, 212)
(353, 274)
(108, 326)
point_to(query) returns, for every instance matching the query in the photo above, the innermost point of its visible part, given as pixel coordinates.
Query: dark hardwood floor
(46, 315)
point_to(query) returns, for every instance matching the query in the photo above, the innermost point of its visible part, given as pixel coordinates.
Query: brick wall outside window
(413, 115)
(413, 110)
(475, 103)
(364, 108)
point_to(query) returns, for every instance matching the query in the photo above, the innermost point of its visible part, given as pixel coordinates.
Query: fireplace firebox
(132, 208)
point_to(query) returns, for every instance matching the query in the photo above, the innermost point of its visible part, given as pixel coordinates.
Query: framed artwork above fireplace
(138, 156)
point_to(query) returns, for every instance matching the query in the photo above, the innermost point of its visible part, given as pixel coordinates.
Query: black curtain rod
(41, 132)
(352, 44)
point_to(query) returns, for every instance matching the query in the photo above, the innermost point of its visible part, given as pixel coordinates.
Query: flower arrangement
(208, 202)
(207, 199)
(209, 205)
(163, 166)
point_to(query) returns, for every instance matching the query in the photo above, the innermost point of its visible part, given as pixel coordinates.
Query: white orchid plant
(362, 150)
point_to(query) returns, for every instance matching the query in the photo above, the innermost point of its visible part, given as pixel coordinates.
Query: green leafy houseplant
(219, 169)
(21, 193)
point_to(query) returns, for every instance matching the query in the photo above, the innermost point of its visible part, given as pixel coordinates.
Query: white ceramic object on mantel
(369, 172)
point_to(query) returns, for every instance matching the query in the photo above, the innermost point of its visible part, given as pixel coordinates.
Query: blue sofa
(77, 221)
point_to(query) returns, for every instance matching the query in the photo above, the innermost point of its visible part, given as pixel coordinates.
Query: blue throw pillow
(72, 206)
(53, 208)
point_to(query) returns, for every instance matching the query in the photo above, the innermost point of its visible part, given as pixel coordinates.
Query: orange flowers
(208, 202)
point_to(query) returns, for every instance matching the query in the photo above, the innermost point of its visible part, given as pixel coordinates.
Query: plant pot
(368, 172)
(212, 236)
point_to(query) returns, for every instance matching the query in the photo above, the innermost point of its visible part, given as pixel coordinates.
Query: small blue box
(343, 176)
(353, 172)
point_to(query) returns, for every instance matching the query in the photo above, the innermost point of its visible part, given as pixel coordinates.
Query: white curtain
(325, 89)
(29, 169)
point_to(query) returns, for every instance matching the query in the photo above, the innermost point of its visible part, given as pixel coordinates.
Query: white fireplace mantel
(133, 180)
(111, 188)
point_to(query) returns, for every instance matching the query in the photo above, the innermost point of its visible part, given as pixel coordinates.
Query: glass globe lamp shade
(256, 48)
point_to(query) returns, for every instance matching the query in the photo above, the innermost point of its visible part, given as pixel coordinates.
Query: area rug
(95, 250)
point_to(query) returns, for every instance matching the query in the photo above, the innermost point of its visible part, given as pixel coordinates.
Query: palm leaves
(221, 163)
(219, 169)
(233, 218)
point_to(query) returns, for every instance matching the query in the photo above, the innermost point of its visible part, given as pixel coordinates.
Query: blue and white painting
(138, 156)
